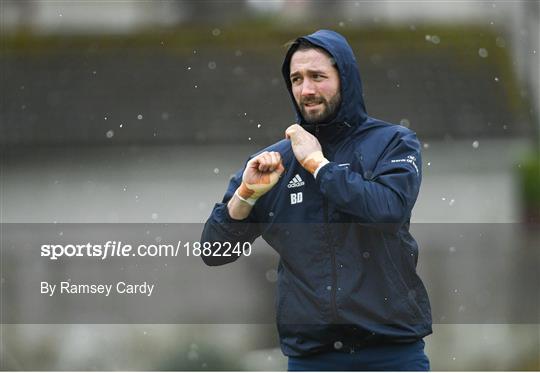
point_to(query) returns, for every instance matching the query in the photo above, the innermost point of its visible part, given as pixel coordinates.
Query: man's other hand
(260, 175)
(306, 148)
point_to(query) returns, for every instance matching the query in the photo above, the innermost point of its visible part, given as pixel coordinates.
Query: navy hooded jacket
(347, 271)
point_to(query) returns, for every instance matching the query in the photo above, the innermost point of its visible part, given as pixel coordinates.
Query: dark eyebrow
(310, 72)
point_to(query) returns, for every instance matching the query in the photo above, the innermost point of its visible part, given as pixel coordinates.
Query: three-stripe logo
(296, 182)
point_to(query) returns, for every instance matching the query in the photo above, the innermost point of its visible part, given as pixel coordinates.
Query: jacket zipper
(332, 250)
(333, 258)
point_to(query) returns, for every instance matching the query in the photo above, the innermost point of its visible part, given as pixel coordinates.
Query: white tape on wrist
(249, 201)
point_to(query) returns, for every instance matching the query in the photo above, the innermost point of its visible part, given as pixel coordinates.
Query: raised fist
(260, 175)
(306, 148)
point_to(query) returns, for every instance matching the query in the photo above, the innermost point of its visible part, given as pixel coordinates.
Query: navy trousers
(393, 357)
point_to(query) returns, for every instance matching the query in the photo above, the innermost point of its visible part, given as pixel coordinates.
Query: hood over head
(352, 111)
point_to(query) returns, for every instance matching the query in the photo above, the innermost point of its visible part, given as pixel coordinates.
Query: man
(334, 199)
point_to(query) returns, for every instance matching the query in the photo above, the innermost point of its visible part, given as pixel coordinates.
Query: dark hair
(302, 44)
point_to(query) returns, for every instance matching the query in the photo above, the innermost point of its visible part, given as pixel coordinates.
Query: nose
(308, 88)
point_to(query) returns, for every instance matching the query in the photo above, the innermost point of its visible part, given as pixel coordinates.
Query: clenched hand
(306, 148)
(260, 175)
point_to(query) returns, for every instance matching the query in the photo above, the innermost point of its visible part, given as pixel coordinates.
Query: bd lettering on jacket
(296, 198)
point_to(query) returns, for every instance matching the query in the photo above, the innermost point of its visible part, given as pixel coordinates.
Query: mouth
(311, 104)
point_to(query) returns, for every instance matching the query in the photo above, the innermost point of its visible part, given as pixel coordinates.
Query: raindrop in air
(405, 122)
(271, 275)
(482, 52)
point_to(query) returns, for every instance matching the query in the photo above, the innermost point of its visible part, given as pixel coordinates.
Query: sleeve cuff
(323, 163)
(228, 224)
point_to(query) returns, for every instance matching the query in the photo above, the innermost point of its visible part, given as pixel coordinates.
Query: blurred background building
(139, 112)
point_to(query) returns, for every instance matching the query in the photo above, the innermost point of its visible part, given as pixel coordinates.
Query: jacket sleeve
(220, 227)
(385, 194)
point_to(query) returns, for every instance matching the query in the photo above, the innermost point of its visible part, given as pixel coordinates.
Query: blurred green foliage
(458, 42)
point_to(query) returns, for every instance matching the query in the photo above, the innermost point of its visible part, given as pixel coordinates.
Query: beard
(329, 109)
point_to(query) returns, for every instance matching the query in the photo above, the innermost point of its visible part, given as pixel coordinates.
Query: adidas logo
(296, 182)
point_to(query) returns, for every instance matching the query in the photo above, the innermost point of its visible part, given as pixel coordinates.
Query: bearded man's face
(315, 85)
